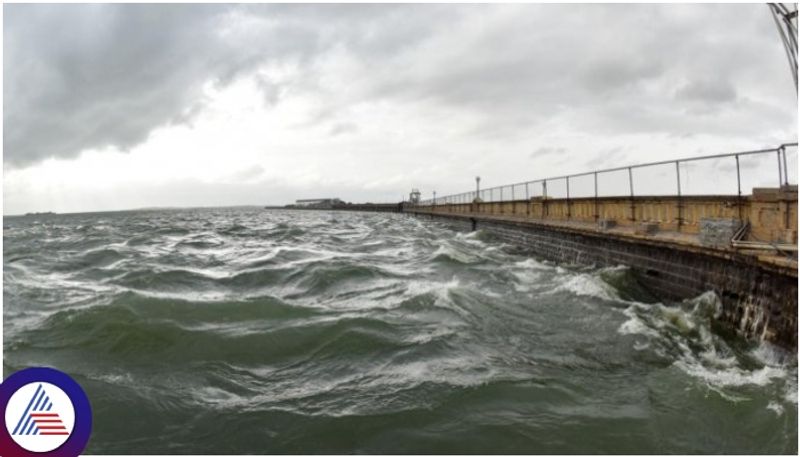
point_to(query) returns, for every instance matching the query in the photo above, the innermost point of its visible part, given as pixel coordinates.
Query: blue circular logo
(46, 413)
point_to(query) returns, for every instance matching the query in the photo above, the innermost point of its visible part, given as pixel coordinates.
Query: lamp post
(434, 198)
(477, 186)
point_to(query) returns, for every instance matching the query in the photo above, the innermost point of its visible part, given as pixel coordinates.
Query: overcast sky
(118, 106)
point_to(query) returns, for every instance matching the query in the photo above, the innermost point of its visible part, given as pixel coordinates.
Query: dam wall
(772, 213)
(758, 289)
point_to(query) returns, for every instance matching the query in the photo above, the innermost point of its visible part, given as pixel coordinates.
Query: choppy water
(253, 331)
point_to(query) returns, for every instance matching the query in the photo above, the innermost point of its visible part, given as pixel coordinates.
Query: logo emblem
(46, 413)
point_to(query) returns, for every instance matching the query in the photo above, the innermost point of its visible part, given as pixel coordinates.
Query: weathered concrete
(718, 232)
(758, 292)
(772, 213)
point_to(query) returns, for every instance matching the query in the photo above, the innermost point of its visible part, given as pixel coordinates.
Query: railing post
(569, 213)
(596, 214)
(630, 182)
(738, 189)
(527, 201)
(544, 198)
(678, 175)
(785, 173)
(786, 219)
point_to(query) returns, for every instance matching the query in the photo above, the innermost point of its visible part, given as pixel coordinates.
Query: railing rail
(493, 194)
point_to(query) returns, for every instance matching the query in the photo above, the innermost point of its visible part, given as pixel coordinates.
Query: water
(242, 330)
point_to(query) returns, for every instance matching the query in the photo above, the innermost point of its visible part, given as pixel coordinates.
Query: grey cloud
(84, 76)
(248, 174)
(547, 151)
(608, 158)
(270, 90)
(707, 91)
(89, 76)
(610, 74)
(97, 75)
(343, 128)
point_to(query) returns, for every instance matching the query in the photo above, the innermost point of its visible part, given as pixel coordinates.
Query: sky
(111, 106)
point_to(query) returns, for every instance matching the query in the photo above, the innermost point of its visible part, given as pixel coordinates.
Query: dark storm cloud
(90, 76)
(97, 75)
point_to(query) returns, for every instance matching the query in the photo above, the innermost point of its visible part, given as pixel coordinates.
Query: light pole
(477, 187)
(434, 198)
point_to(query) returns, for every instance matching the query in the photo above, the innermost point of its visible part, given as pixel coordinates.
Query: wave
(321, 277)
(447, 255)
(166, 280)
(93, 258)
(589, 285)
(200, 244)
(263, 331)
(683, 333)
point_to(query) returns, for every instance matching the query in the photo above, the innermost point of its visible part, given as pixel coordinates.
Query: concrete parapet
(772, 213)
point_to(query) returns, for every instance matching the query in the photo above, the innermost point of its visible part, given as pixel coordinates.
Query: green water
(242, 330)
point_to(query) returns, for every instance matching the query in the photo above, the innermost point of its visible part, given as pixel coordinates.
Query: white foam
(471, 238)
(532, 264)
(615, 270)
(714, 363)
(415, 288)
(588, 285)
(733, 376)
(635, 326)
(706, 304)
(776, 407)
(790, 395)
(677, 318)
(454, 254)
(769, 354)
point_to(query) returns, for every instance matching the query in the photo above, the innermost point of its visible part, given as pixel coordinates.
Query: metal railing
(528, 189)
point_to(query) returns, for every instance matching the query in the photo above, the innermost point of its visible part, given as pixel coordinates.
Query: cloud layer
(478, 83)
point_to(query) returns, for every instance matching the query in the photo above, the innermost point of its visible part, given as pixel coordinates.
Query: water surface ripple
(241, 330)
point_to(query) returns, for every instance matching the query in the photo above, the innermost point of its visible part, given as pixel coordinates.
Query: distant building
(322, 203)
(413, 197)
